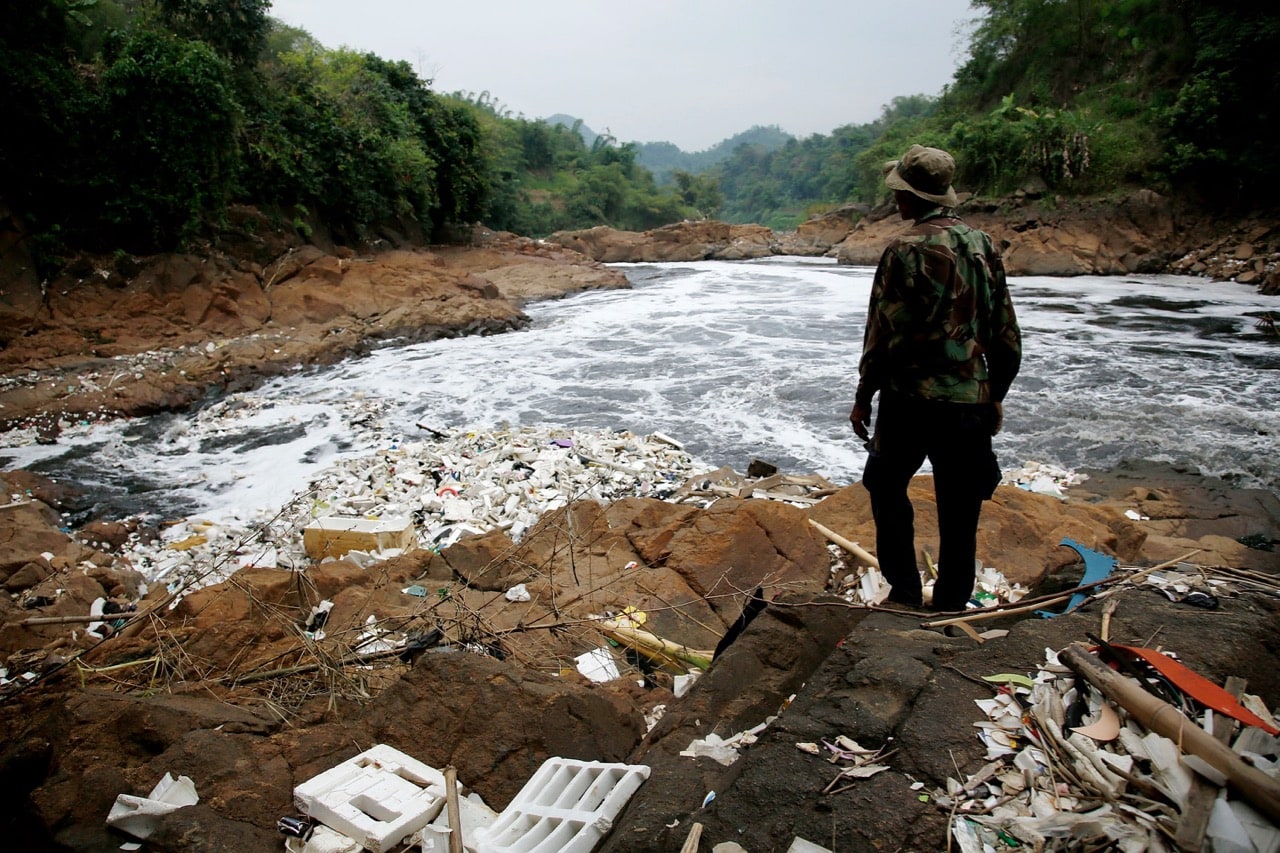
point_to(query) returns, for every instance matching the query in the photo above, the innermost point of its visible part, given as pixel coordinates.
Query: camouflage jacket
(941, 324)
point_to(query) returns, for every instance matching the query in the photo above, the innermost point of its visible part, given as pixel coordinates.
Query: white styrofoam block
(475, 817)
(567, 806)
(323, 839)
(379, 797)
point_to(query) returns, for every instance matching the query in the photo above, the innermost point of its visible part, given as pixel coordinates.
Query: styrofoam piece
(801, 845)
(380, 797)
(433, 838)
(597, 665)
(334, 536)
(475, 818)
(567, 806)
(138, 815)
(323, 839)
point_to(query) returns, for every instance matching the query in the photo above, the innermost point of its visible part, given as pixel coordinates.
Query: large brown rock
(735, 546)
(27, 531)
(1132, 234)
(520, 269)
(819, 233)
(308, 306)
(1019, 532)
(682, 241)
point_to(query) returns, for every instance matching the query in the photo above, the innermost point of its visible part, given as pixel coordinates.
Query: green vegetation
(781, 187)
(138, 122)
(544, 176)
(1082, 97)
(665, 159)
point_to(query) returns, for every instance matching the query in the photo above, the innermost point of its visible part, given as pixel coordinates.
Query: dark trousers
(956, 438)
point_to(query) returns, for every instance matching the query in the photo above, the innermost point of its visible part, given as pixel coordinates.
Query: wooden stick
(852, 547)
(1259, 789)
(455, 810)
(1107, 609)
(691, 842)
(71, 620)
(367, 657)
(1028, 604)
(1004, 610)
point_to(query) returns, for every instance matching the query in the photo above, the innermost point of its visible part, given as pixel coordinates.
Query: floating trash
(1043, 479)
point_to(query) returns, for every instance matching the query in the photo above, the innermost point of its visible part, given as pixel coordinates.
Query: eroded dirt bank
(168, 331)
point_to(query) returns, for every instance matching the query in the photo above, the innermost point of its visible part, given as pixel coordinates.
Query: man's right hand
(860, 417)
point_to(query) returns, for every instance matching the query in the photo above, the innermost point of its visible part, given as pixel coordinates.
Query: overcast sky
(692, 72)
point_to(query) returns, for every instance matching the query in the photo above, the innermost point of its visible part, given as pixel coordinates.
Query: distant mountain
(588, 135)
(663, 158)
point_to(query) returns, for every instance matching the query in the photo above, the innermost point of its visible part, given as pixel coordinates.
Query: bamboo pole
(691, 841)
(1259, 789)
(72, 620)
(852, 547)
(651, 644)
(1203, 794)
(455, 810)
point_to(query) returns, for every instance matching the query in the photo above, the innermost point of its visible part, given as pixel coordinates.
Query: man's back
(942, 324)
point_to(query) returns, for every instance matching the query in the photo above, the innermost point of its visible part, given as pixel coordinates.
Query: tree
(168, 158)
(236, 29)
(699, 192)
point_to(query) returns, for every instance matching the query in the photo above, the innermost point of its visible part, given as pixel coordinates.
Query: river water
(738, 361)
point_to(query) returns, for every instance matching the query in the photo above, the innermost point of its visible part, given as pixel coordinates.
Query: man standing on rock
(941, 347)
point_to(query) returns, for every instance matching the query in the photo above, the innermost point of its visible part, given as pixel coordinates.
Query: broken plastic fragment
(681, 683)
(519, 592)
(1107, 728)
(712, 746)
(138, 815)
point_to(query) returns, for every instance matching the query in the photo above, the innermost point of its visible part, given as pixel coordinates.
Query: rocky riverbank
(1138, 233)
(237, 686)
(126, 336)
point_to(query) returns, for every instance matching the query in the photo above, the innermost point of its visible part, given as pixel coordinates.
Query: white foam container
(567, 806)
(380, 797)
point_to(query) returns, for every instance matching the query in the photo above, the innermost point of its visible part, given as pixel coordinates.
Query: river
(738, 361)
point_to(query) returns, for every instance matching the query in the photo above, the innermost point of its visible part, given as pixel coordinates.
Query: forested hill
(663, 159)
(1074, 97)
(141, 125)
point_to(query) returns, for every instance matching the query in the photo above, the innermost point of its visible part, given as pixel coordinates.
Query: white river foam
(737, 360)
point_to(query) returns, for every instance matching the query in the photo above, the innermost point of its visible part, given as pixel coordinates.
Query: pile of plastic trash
(866, 585)
(454, 483)
(1064, 767)
(1042, 479)
(385, 800)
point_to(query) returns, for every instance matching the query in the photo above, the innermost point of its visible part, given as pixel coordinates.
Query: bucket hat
(926, 172)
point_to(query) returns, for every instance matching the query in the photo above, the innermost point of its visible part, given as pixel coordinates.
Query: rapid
(736, 360)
